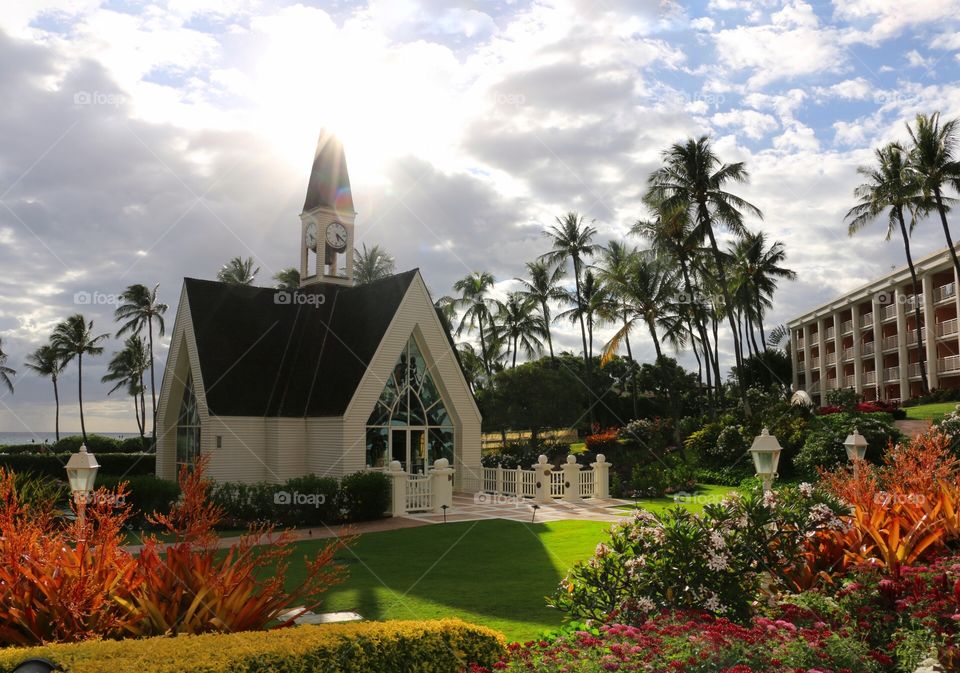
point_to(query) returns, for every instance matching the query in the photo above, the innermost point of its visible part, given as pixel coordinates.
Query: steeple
(328, 216)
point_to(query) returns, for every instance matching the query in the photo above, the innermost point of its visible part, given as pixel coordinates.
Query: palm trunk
(56, 401)
(545, 312)
(143, 414)
(946, 228)
(483, 349)
(153, 390)
(136, 413)
(701, 327)
(716, 350)
(583, 337)
(763, 337)
(917, 314)
(633, 372)
(83, 427)
(514, 366)
(656, 340)
(753, 334)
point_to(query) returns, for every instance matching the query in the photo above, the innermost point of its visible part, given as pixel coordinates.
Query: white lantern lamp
(856, 446)
(82, 474)
(766, 457)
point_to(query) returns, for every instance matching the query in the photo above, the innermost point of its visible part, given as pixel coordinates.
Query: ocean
(7, 438)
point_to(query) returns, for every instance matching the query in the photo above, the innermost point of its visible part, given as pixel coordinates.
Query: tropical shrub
(714, 560)
(145, 493)
(602, 440)
(653, 434)
(823, 448)
(669, 474)
(845, 398)
(422, 646)
(51, 464)
(364, 496)
(950, 426)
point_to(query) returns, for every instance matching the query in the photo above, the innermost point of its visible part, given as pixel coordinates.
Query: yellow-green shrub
(442, 646)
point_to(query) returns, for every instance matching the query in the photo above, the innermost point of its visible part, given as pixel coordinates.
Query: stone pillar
(541, 477)
(930, 331)
(601, 475)
(902, 348)
(398, 480)
(807, 370)
(857, 350)
(571, 479)
(794, 360)
(878, 347)
(499, 482)
(442, 484)
(822, 349)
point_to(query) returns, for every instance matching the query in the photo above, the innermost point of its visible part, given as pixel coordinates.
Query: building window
(188, 428)
(409, 422)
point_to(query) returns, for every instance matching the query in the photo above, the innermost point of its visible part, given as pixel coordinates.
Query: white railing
(831, 358)
(831, 383)
(849, 381)
(870, 377)
(846, 327)
(945, 291)
(951, 363)
(947, 327)
(890, 342)
(913, 369)
(556, 484)
(866, 320)
(868, 348)
(848, 353)
(815, 363)
(891, 374)
(912, 337)
(831, 332)
(586, 483)
(419, 493)
(799, 344)
(889, 312)
(520, 483)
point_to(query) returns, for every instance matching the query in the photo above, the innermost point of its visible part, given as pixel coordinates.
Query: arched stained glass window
(409, 422)
(188, 427)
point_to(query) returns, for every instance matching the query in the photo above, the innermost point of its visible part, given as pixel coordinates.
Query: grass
(930, 412)
(496, 573)
(703, 494)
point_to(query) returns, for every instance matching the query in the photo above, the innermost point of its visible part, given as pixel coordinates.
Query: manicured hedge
(443, 646)
(53, 464)
(146, 494)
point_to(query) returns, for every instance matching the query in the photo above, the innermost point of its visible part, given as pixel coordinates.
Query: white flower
(713, 604)
(602, 550)
(716, 540)
(769, 498)
(806, 489)
(644, 604)
(718, 562)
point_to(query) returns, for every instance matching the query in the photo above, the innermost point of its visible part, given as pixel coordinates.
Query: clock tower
(326, 223)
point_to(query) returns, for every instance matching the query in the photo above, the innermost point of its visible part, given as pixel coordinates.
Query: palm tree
(46, 361)
(572, 238)
(126, 368)
(758, 268)
(891, 186)
(140, 309)
(543, 287)
(73, 338)
(370, 265)
(5, 371)
(933, 161)
(520, 325)
(596, 307)
(288, 279)
(614, 272)
(238, 271)
(473, 299)
(694, 177)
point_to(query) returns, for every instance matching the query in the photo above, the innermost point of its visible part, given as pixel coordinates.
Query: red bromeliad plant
(190, 587)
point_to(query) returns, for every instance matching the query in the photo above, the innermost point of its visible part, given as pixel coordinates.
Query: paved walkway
(911, 428)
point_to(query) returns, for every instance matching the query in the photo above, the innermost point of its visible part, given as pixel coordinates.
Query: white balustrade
(866, 320)
(891, 374)
(947, 327)
(889, 312)
(951, 363)
(592, 482)
(868, 348)
(945, 291)
(870, 377)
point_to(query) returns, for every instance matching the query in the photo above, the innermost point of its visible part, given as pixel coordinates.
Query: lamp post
(82, 473)
(856, 446)
(766, 456)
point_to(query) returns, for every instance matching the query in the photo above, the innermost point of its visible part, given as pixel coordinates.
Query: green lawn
(930, 412)
(704, 493)
(495, 573)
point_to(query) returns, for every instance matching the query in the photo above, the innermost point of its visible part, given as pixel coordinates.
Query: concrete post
(571, 479)
(878, 347)
(838, 349)
(499, 486)
(398, 479)
(541, 483)
(442, 484)
(807, 370)
(794, 360)
(601, 477)
(930, 331)
(903, 352)
(857, 350)
(822, 350)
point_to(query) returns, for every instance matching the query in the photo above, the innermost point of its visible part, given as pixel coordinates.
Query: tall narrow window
(409, 422)
(188, 428)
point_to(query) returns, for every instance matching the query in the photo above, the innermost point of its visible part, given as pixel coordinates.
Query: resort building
(329, 379)
(868, 338)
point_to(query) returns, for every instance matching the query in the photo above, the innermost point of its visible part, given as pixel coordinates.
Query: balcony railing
(868, 348)
(891, 374)
(951, 363)
(848, 353)
(912, 337)
(866, 320)
(870, 378)
(947, 328)
(849, 381)
(832, 384)
(831, 332)
(945, 292)
(799, 344)
(889, 312)
(831, 358)
(913, 369)
(890, 342)
(815, 363)
(846, 327)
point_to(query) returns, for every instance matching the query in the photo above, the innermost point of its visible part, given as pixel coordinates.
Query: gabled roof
(329, 185)
(261, 357)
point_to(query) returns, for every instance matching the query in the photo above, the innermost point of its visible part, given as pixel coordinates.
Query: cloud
(755, 125)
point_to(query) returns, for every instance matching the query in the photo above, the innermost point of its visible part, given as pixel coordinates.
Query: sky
(142, 142)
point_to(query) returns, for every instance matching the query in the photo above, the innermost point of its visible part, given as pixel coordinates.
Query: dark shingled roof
(329, 185)
(259, 357)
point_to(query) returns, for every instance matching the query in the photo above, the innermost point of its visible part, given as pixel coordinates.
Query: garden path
(912, 428)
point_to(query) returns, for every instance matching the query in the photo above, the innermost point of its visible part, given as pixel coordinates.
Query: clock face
(337, 236)
(311, 235)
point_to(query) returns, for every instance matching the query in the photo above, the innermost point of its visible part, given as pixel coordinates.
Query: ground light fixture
(856, 446)
(82, 474)
(766, 457)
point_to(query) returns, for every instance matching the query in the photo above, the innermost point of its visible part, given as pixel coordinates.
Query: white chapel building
(329, 380)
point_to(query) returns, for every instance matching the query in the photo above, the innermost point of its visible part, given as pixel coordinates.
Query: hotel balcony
(870, 378)
(831, 358)
(912, 337)
(945, 292)
(848, 353)
(951, 363)
(846, 327)
(890, 342)
(947, 328)
(831, 383)
(831, 332)
(891, 374)
(815, 363)
(913, 370)
(866, 320)
(868, 348)
(888, 312)
(799, 344)
(849, 381)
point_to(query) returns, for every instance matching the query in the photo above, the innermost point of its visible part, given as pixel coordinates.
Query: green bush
(364, 496)
(313, 500)
(244, 504)
(845, 398)
(147, 494)
(53, 465)
(96, 444)
(414, 646)
(823, 447)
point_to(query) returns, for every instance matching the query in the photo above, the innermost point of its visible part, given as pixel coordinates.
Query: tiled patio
(468, 507)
